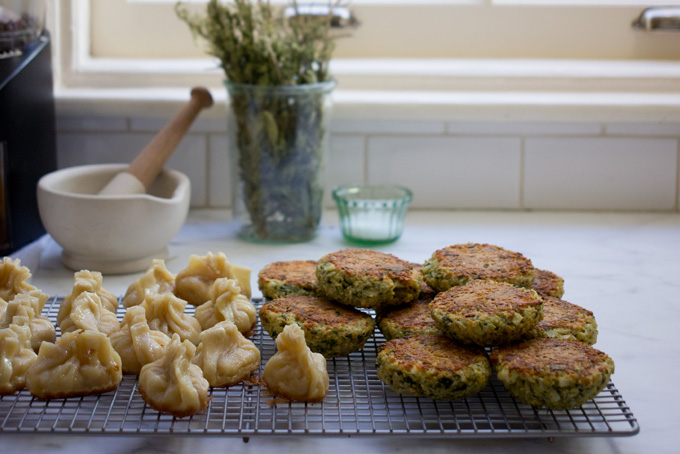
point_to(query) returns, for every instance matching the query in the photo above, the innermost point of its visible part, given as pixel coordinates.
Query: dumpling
(16, 356)
(156, 281)
(225, 356)
(13, 279)
(165, 313)
(88, 313)
(136, 343)
(78, 364)
(225, 302)
(87, 281)
(24, 310)
(193, 283)
(294, 372)
(172, 384)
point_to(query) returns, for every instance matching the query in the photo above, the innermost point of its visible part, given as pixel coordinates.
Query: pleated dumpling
(193, 283)
(87, 281)
(165, 313)
(294, 372)
(25, 310)
(78, 364)
(16, 356)
(13, 279)
(87, 312)
(136, 343)
(172, 384)
(225, 302)
(225, 356)
(155, 281)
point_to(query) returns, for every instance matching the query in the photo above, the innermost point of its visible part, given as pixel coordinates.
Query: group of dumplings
(22, 327)
(177, 356)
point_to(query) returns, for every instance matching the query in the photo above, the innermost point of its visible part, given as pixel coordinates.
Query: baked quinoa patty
(295, 277)
(461, 263)
(407, 321)
(330, 329)
(425, 290)
(486, 313)
(555, 373)
(432, 366)
(366, 278)
(548, 283)
(564, 320)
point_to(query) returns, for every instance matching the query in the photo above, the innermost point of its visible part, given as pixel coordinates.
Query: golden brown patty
(548, 283)
(366, 278)
(407, 321)
(330, 329)
(486, 313)
(458, 264)
(564, 320)
(432, 366)
(425, 290)
(555, 373)
(295, 277)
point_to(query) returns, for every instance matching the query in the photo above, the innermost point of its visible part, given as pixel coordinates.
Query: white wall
(506, 165)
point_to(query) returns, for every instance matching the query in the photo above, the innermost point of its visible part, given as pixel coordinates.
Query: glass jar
(278, 141)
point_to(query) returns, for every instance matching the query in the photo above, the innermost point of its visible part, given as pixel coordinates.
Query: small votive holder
(372, 214)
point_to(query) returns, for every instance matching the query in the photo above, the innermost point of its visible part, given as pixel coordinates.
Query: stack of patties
(494, 298)
(440, 318)
(323, 297)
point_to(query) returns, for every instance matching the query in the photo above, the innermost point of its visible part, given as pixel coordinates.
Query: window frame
(644, 85)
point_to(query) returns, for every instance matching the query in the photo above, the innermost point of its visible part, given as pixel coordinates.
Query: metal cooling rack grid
(357, 404)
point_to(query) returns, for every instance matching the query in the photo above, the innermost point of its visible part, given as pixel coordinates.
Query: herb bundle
(277, 77)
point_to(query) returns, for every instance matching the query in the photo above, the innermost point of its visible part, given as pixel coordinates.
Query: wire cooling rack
(357, 404)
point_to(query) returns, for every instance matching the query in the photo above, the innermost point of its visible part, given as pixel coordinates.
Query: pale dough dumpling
(13, 279)
(78, 364)
(165, 313)
(87, 281)
(16, 356)
(155, 281)
(136, 343)
(87, 312)
(225, 302)
(24, 310)
(193, 283)
(225, 356)
(172, 384)
(294, 372)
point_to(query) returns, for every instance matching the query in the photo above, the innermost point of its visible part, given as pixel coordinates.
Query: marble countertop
(625, 267)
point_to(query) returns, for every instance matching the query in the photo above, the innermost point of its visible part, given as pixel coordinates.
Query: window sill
(409, 89)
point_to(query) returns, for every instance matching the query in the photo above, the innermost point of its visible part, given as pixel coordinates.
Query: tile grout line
(677, 177)
(365, 156)
(208, 165)
(522, 146)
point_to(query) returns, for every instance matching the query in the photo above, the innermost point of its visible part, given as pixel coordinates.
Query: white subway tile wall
(450, 172)
(448, 165)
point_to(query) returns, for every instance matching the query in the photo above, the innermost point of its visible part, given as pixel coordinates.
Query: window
(401, 44)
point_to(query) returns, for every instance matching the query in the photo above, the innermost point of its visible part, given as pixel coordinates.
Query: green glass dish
(372, 214)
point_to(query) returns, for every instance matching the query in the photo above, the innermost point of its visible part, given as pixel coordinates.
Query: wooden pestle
(144, 169)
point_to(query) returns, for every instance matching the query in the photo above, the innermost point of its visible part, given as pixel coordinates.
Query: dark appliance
(27, 140)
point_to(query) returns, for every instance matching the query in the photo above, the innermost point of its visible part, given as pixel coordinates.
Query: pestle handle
(150, 161)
